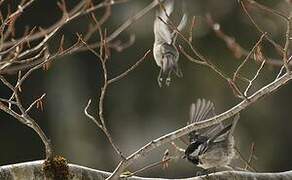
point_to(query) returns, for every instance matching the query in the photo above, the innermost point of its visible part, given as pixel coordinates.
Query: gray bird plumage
(165, 52)
(212, 147)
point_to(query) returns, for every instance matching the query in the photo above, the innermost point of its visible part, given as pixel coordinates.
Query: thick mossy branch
(56, 168)
(34, 170)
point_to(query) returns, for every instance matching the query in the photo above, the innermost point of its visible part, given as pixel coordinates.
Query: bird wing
(180, 27)
(183, 22)
(168, 5)
(162, 32)
(161, 28)
(200, 111)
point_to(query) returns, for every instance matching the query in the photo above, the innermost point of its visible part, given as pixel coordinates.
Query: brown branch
(126, 24)
(24, 117)
(131, 20)
(75, 48)
(234, 47)
(125, 73)
(269, 10)
(75, 13)
(276, 45)
(12, 17)
(103, 55)
(102, 124)
(35, 102)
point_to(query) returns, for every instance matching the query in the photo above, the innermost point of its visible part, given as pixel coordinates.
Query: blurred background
(136, 109)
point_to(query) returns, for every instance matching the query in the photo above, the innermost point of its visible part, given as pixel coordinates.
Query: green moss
(56, 168)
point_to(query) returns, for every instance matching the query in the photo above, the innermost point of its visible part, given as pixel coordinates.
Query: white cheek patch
(197, 151)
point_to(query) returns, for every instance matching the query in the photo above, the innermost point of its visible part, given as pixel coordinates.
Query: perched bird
(165, 51)
(212, 147)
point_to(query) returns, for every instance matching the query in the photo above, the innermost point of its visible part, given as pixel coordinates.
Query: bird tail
(225, 132)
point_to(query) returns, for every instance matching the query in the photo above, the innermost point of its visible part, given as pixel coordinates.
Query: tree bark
(33, 170)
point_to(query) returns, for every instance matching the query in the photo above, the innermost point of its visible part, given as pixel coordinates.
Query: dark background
(136, 109)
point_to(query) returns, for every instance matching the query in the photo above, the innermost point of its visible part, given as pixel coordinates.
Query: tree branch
(33, 169)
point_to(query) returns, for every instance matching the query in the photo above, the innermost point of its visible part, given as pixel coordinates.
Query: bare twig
(191, 29)
(246, 162)
(35, 102)
(75, 13)
(132, 19)
(287, 43)
(254, 78)
(125, 73)
(102, 55)
(269, 10)
(248, 56)
(235, 48)
(25, 118)
(276, 45)
(90, 116)
(146, 168)
(101, 125)
(251, 155)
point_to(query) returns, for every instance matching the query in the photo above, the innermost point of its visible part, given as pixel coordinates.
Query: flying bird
(165, 52)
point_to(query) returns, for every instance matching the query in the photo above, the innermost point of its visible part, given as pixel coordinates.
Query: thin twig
(35, 102)
(24, 117)
(272, 11)
(151, 166)
(102, 124)
(287, 43)
(248, 56)
(125, 73)
(235, 48)
(90, 116)
(131, 20)
(246, 162)
(254, 78)
(283, 67)
(276, 45)
(102, 55)
(251, 155)
(73, 14)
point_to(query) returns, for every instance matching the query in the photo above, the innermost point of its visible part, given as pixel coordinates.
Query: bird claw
(168, 80)
(159, 80)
